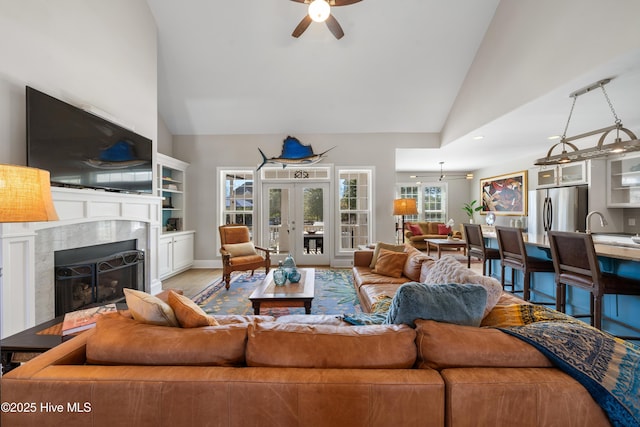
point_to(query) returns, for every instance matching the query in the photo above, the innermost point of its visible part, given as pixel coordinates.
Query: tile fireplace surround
(87, 217)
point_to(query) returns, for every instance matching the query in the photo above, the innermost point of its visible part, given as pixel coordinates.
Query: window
(431, 200)
(354, 207)
(238, 193)
(434, 203)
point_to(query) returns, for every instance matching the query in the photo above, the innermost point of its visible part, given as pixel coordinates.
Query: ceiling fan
(442, 176)
(320, 11)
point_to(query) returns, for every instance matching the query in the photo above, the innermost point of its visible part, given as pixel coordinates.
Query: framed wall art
(504, 194)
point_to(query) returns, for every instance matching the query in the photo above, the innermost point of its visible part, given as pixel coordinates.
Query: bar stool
(476, 247)
(576, 264)
(513, 254)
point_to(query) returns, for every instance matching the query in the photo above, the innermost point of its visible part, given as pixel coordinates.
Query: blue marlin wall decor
(294, 153)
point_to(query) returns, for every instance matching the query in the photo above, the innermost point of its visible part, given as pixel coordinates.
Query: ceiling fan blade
(334, 27)
(343, 2)
(301, 1)
(302, 26)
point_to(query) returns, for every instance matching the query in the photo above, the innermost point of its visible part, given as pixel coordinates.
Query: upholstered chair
(239, 253)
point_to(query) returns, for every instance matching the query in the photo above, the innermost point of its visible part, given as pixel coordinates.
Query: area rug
(334, 294)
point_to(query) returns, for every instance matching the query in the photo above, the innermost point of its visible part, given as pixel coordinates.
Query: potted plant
(470, 208)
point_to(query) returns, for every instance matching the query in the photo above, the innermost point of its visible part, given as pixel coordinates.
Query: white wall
(533, 46)
(205, 153)
(96, 52)
(165, 139)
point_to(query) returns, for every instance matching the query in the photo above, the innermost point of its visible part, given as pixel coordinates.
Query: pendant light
(601, 149)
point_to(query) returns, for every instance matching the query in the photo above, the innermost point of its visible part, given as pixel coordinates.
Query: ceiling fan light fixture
(319, 10)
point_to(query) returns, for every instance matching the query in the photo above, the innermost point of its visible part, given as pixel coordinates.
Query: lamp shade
(405, 207)
(25, 195)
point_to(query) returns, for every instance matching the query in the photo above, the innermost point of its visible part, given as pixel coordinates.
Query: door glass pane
(278, 219)
(313, 229)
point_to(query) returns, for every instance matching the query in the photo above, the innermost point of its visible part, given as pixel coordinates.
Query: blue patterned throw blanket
(608, 367)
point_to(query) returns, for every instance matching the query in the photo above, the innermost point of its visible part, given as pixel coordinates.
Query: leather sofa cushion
(444, 345)
(291, 345)
(121, 341)
(370, 294)
(365, 276)
(522, 397)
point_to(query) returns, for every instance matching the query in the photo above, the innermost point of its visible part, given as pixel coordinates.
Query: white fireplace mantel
(81, 207)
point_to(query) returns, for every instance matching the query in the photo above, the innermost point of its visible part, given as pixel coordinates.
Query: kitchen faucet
(603, 222)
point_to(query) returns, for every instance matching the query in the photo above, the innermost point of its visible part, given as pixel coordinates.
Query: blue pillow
(460, 304)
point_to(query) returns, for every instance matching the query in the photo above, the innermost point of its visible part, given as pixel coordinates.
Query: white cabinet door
(182, 251)
(165, 256)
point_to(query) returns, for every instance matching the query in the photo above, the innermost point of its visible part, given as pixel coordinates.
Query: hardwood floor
(192, 281)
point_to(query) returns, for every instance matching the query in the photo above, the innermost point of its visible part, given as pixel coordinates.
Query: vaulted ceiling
(233, 68)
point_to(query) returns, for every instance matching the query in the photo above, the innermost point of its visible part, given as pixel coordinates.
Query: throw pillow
(390, 263)
(149, 309)
(415, 229)
(447, 270)
(443, 229)
(450, 303)
(493, 288)
(388, 246)
(188, 313)
(240, 249)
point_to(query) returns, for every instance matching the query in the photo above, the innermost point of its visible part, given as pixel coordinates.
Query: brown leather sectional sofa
(294, 371)
(286, 373)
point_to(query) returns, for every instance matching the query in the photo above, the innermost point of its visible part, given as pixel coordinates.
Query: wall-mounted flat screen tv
(82, 150)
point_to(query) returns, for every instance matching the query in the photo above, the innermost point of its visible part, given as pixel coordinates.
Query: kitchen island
(617, 254)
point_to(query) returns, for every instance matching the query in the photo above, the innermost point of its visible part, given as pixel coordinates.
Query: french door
(296, 220)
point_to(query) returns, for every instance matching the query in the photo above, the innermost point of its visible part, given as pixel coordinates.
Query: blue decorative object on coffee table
(294, 275)
(280, 275)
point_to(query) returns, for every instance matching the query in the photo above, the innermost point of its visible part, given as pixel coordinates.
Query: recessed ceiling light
(478, 137)
(413, 176)
(554, 137)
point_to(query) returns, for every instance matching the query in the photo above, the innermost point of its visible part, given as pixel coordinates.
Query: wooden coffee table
(290, 295)
(445, 243)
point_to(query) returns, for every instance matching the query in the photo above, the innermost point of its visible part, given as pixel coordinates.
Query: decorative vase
(289, 263)
(294, 275)
(280, 275)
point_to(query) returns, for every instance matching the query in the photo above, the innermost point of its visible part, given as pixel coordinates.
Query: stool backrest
(511, 244)
(574, 253)
(473, 236)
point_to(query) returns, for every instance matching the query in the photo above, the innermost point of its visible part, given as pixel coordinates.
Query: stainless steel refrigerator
(559, 209)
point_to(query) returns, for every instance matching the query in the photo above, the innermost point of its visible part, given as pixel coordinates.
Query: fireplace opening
(96, 275)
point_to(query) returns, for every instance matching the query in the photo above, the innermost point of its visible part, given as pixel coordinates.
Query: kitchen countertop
(627, 251)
